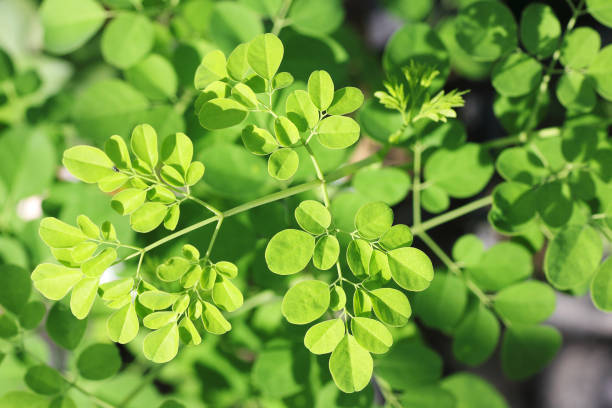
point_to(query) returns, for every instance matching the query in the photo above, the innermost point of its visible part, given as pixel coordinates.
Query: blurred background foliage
(134, 62)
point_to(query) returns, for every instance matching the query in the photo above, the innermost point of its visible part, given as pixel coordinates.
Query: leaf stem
(279, 19)
(148, 377)
(451, 215)
(416, 191)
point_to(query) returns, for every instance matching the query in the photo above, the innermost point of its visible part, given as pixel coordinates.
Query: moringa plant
(333, 270)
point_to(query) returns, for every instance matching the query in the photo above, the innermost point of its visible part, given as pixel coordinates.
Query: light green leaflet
(265, 54)
(338, 132)
(411, 268)
(526, 303)
(161, 345)
(148, 217)
(157, 300)
(321, 89)
(358, 254)
(326, 252)
(322, 338)
(391, 306)
(83, 296)
(306, 301)
(96, 266)
(157, 320)
(154, 76)
(350, 365)
(87, 163)
(396, 237)
(212, 68)
(286, 132)
(346, 100)
(58, 234)
(68, 24)
(313, 217)
(371, 334)
(226, 295)
(213, 320)
(55, 281)
(144, 146)
(283, 163)
(373, 220)
(289, 251)
(127, 39)
(301, 111)
(221, 113)
(540, 30)
(601, 286)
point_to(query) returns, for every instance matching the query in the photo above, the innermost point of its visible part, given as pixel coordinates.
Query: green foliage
(191, 83)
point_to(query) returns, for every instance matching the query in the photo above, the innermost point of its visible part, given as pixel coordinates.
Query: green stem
(416, 191)
(320, 176)
(522, 137)
(452, 266)
(279, 19)
(213, 239)
(451, 215)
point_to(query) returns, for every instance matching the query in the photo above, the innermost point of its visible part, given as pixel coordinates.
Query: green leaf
(32, 314)
(313, 217)
(316, 17)
(88, 227)
(68, 24)
(226, 295)
(172, 176)
(468, 250)
(258, 141)
(58, 234)
(173, 269)
(157, 300)
(99, 361)
(211, 69)
(227, 269)
(157, 320)
(572, 256)
(575, 92)
(245, 95)
(20, 399)
(221, 113)
(286, 132)
(601, 11)
(63, 328)
(486, 31)
(322, 338)
(144, 146)
(601, 285)
(148, 217)
(83, 297)
(283, 163)
(8, 326)
(43, 379)
(345, 100)
(472, 391)
(373, 220)
(232, 23)
(600, 72)
(326, 252)
(358, 255)
(396, 237)
(321, 89)
(265, 54)
(337, 298)
(471, 172)
(371, 335)
(338, 132)
(378, 269)
(237, 63)
(127, 39)
(525, 303)
(362, 304)
(526, 350)
(213, 320)
(388, 184)
(55, 281)
(516, 75)
(129, 200)
(88, 163)
(301, 111)
(122, 326)
(476, 337)
(96, 266)
(15, 286)
(282, 80)
(391, 306)
(306, 301)
(194, 173)
(154, 76)
(580, 47)
(116, 288)
(161, 346)
(443, 304)
(289, 251)
(522, 165)
(350, 365)
(540, 30)
(501, 265)
(429, 396)
(409, 363)
(411, 268)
